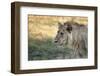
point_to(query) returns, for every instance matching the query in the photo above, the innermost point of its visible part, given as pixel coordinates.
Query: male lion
(73, 36)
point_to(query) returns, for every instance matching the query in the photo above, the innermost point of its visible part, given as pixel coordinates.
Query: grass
(46, 50)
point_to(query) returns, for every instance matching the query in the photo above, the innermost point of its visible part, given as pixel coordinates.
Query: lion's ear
(60, 24)
(69, 28)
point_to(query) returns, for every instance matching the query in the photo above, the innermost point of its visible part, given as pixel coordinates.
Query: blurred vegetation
(41, 33)
(44, 50)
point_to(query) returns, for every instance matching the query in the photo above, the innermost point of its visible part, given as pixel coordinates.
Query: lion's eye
(61, 33)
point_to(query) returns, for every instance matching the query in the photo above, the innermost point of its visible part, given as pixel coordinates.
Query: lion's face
(63, 33)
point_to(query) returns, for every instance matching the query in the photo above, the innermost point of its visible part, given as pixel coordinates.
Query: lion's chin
(60, 46)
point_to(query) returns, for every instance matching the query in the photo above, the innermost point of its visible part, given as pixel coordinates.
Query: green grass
(46, 50)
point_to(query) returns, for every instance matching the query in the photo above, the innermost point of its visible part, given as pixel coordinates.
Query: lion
(74, 36)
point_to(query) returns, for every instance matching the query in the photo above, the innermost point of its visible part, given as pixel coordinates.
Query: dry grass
(46, 26)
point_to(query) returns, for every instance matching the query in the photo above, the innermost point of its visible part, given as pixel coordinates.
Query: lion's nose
(55, 41)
